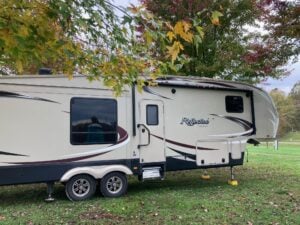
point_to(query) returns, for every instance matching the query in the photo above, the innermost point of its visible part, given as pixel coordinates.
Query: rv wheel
(113, 184)
(80, 187)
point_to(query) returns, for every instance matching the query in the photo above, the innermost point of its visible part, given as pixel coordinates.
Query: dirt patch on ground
(100, 215)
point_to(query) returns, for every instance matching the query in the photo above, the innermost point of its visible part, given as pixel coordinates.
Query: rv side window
(93, 121)
(152, 114)
(234, 104)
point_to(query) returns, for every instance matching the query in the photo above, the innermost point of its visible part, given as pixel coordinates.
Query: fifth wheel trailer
(53, 129)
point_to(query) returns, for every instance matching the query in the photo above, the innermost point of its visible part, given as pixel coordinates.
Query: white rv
(76, 132)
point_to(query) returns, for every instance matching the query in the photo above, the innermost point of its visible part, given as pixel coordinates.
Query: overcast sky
(285, 84)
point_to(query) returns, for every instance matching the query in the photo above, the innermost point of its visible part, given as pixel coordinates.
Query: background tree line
(229, 48)
(200, 38)
(288, 107)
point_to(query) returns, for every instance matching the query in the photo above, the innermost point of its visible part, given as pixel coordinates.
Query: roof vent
(45, 71)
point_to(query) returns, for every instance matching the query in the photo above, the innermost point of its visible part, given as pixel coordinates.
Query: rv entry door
(151, 132)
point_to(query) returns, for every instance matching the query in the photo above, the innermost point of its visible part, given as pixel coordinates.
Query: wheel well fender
(96, 172)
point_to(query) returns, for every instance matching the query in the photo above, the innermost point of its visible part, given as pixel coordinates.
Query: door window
(152, 115)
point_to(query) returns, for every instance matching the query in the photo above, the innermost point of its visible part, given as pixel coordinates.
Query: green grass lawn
(268, 193)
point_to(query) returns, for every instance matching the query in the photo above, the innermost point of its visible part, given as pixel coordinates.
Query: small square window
(152, 115)
(234, 104)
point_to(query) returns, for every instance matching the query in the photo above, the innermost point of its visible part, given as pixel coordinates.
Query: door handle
(145, 128)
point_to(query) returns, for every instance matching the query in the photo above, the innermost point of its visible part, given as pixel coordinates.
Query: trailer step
(152, 173)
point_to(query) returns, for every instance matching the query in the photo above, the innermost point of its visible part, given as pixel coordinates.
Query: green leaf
(200, 31)
(197, 41)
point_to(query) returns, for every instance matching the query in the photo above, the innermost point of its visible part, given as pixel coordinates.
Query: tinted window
(234, 104)
(93, 121)
(152, 114)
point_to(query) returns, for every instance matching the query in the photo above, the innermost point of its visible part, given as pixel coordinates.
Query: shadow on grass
(180, 181)
(175, 181)
(28, 194)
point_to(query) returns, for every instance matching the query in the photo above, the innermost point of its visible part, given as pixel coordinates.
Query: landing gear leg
(205, 176)
(50, 188)
(232, 181)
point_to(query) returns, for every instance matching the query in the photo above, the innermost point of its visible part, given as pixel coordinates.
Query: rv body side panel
(36, 129)
(199, 130)
(189, 124)
(42, 173)
(266, 115)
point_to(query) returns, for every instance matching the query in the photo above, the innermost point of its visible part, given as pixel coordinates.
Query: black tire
(80, 187)
(114, 184)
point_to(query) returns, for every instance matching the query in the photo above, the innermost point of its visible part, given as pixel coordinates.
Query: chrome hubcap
(81, 187)
(114, 184)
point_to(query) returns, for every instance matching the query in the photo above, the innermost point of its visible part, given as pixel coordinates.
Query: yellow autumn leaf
(23, 31)
(215, 21)
(174, 50)
(7, 38)
(140, 84)
(186, 26)
(215, 17)
(69, 74)
(148, 37)
(19, 66)
(182, 29)
(169, 26)
(178, 28)
(148, 15)
(135, 9)
(171, 35)
(111, 83)
(188, 37)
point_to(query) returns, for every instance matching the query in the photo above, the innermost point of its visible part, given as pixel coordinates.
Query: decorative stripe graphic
(150, 91)
(233, 135)
(58, 161)
(123, 140)
(123, 135)
(11, 154)
(190, 156)
(16, 95)
(182, 144)
(243, 123)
